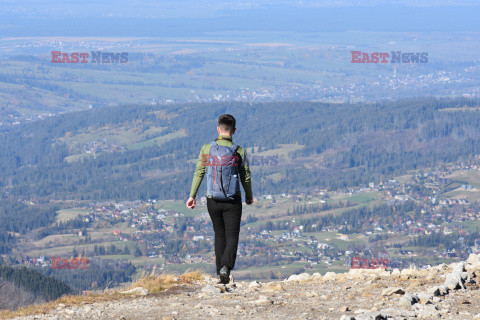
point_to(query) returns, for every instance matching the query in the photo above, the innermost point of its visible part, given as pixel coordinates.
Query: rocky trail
(439, 292)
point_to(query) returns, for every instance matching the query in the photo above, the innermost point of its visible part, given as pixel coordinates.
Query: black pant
(226, 217)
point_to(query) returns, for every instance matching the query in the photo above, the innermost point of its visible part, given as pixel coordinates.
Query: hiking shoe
(224, 275)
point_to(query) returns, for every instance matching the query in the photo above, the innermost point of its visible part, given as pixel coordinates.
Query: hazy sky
(183, 8)
(198, 17)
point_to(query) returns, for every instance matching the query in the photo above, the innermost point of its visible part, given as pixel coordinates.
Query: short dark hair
(226, 122)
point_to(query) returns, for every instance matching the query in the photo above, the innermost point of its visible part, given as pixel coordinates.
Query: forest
(40, 285)
(342, 145)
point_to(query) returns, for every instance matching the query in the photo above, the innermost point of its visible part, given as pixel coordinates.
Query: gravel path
(441, 292)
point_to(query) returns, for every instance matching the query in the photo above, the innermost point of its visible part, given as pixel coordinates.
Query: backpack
(222, 172)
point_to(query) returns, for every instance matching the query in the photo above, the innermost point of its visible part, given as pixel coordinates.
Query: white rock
(473, 258)
(456, 279)
(263, 300)
(409, 271)
(329, 276)
(137, 291)
(408, 300)
(391, 291)
(440, 267)
(425, 298)
(398, 313)
(356, 273)
(358, 311)
(385, 273)
(428, 312)
(459, 267)
(298, 277)
(443, 289)
(211, 289)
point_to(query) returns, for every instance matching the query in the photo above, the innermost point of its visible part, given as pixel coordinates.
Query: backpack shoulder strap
(213, 143)
(239, 158)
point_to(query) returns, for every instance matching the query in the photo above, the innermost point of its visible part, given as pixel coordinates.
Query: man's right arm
(199, 172)
(244, 171)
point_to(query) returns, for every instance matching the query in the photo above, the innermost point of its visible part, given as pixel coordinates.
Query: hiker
(223, 162)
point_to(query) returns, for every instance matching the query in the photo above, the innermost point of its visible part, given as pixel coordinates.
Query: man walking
(223, 162)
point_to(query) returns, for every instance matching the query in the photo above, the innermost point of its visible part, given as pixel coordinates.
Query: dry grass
(192, 276)
(154, 283)
(157, 283)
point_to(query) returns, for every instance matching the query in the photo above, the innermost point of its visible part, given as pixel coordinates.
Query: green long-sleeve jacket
(243, 169)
